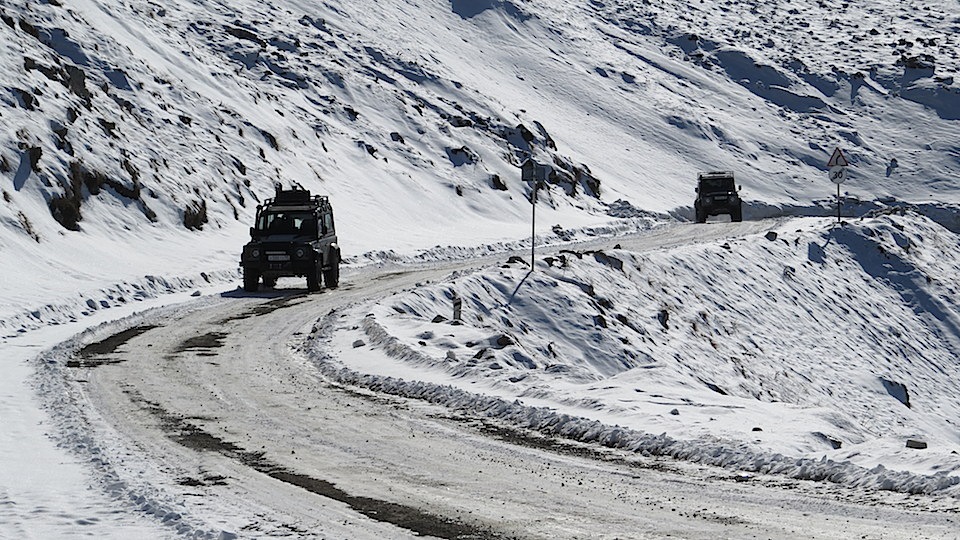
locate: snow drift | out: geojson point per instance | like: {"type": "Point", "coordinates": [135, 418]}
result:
{"type": "Point", "coordinates": [817, 350]}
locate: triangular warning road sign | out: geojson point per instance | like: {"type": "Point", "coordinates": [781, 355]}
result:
{"type": "Point", "coordinates": [838, 159]}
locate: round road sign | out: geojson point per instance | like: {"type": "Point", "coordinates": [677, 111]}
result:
{"type": "Point", "coordinates": [838, 174]}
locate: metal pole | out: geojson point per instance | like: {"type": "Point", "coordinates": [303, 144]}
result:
{"type": "Point", "coordinates": [533, 225]}
{"type": "Point", "coordinates": [838, 203]}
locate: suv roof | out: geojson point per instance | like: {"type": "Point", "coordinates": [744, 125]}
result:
{"type": "Point", "coordinates": [715, 175]}
{"type": "Point", "coordinates": [295, 199]}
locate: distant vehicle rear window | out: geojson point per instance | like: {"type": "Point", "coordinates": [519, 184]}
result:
{"type": "Point", "coordinates": [717, 184]}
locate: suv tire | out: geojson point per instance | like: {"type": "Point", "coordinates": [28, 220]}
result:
{"type": "Point", "coordinates": [701, 216]}
{"type": "Point", "coordinates": [736, 214]}
{"type": "Point", "coordinates": [314, 278]}
{"type": "Point", "coordinates": [251, 280]}
{"type": "Point", "coordinates": [331, 278]}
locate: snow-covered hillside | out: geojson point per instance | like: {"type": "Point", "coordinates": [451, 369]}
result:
{"type": "Point", "coordinates": [812, 341]}
{"type": "Point", "coordinates": [132, 122]}
{"type": "Point", "coordinates": [139, 136]}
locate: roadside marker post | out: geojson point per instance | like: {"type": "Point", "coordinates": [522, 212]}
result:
{"type": "Point", "coordinates": [531, 171]}
{"type": "Point", "coordinates": [457, 306]}
{"type": "Point", "coordinates": [838, 173]}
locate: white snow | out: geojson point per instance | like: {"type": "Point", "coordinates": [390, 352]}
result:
{"type": "Point", "coordinates": [817, 342]}
{"type": "Point", "coordinates": [408, 114]}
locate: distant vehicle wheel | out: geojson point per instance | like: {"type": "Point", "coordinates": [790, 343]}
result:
{"type": "Point", "coordinates": [331, 278]}
{"type": "Point", "coordinates": [701, 216]}
{"type": "Point", "coordinates": [251, 279]}
{"type": "Point", "coordinates": [736, 214]}
{"type": "Point", "coordinates": [269, 282]}
{"type": "Point", "coordinates": [313, 279]}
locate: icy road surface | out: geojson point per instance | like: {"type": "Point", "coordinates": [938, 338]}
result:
{"type": "Point", "coordinates": [207, 418]}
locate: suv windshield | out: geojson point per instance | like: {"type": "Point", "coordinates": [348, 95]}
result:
{"type": "Point", "coordinates": [304, 223]}
{"type": "Point", "coordinates": [714, 185]}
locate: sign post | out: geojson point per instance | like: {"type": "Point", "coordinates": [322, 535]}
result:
{"type": "Point", "coordinates": [838, 173]}
{"type": "Point", "coordinates": [457, 306]}
{"type": "Point", "coordinates": [531, 171]}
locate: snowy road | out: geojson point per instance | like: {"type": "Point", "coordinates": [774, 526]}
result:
{"type": "Point", "coordinates": [211, 412]}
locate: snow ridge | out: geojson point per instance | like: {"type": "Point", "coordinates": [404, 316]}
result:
{"type": "Point", "coordinates": [117, 469]}
{"type": "Point", "coordinates": [704, 342]}
{"type": "Point", "coordinates": [86, 303]}
{"type": "Point", "coordinates": [548, 422]}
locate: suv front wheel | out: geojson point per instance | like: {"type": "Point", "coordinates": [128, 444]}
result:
{"type": "Point", "coordinates": [314, 277]}
{"type": "Point", "coordinates": [331, 277]}
{"type": "Point", "coordinates": [736, 213]}
{"type": "Point", "coordinates": [251, 279]}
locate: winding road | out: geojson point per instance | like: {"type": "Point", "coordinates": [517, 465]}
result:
{"type": "Point", "coordinates": [211, 409]}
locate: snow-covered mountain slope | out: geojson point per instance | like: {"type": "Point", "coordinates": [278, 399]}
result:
{"type": "Point", "coordinates": [135, 117]}
{"type": "Point", "coordinates": [138, 137]}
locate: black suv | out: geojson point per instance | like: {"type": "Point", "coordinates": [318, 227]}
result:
{"type": "Point", "coordinates": [293, 235]}
{"type": "Point", "coordinates": [717, 194]}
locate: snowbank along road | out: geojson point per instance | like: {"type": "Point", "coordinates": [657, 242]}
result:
{"type": "Point", "coordinates": [210, 418]}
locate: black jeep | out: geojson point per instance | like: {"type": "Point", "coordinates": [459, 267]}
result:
{"type": "Point", "coordinates": [293, 235]}
{"type": "Point", "coordinates": [717, 194]}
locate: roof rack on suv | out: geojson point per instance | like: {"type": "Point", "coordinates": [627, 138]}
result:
{"type": "Point", "coordinates": [715, 174]}
{"type": "Point", "coordinates": [294, 197]}
{"type": "Point", "coordinates": [299, 196]}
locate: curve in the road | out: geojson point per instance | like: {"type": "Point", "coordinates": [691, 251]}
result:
{"type": "Point", "coordinates": [211, 411]}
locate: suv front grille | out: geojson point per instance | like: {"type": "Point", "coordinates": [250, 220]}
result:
{"type": "Point", "coordinates": [281, 247]}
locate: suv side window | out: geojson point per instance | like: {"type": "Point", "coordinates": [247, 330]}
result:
{"type": "Point", "coordinates": [327, 223]}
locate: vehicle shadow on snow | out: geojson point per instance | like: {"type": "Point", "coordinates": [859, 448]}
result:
{"type": "Point", "coordinates": [266, 293]}
{"type": "Point", "coordinates": [271, 300]}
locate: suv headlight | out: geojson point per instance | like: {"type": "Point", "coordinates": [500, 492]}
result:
{"type": "Point", "coordinates": [255, 253]}
{"type": "Point", "coordinates": [300, 252]}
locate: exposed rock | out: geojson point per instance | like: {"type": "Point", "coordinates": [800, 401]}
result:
{"type": "Point", "coordinates": [462, 156]}
{"type": "Point", "coordinates": [243, 33]}
{"type": "Point", "coordinates": [77, 83]}
{"type": "Point", "coordinates": [66, 211]}
{"type": "Point", "coordinates": [108, 127]}
{"type": "Point", "coordinates": [370, 149]}
{"type": "Point", "coordinates": [25, 99]}
{"type": "Point", "coordinates": [916, 444]}
{"type": "Point", "coordinates": [832, 441]}
{"type": "Point", "coordinates": [663, 317]}
{"type": "Point", "coordinates": [460, 122]}
{"type": "Point", "coordinates": [34, 153]}
{"type": "Point", "coordinates": [195, 215]}
{"type": "Point", "coordinates": [921, 61]}
{"type": "Point", "coordinates": [527, 135]}
{"type": "Point", "coordinates": [271, 140]}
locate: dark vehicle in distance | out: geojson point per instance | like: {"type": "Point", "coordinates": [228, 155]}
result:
{"type": "Point", "coordinates": [717, 194]}
{"type": "Point", "coordinates": [293, 236]}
